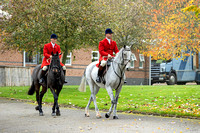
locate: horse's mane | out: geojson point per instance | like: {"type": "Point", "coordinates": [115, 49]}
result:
{"type": "Point", "coordinates": [119, 53]}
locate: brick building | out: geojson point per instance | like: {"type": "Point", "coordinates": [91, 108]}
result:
{"type": "Point", "coordinates": [77, 61]}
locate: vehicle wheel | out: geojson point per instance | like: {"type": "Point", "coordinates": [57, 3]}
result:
{"type": "Point", "coordinates": [172, 79]}
{"type": "Point", "coordinates": [181, 83]}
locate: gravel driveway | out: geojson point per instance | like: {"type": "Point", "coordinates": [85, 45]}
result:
{"type": "Point", "coordinates": [21, 117]}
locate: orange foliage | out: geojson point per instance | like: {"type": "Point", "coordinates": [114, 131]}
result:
{"type": "Point", "coordinates": [173, 30]}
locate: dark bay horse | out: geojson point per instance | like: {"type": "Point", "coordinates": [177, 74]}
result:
{"type": "Point", "coordinates": [55, 80]}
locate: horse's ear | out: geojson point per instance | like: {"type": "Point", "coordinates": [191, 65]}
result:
{"type": "Point", "coordinates": [56, 53]}
{"type": "Point", "coordinates": [124, 46]}
{"type": "Point", "coordinates": [52, 54]}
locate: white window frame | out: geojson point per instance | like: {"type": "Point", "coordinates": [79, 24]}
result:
{"type": "Point", "coordinates": [133, 58]}
{"type": "Point", "coordinates": [69, 56]}
{"type": "Point", "coordinates": [95, 58]}
{"type": "Point", "coordinates": [141, 56]}
{"type": "Point", "coordinates": [35, 56]}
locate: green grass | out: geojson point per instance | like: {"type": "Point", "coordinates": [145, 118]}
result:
{"type": "Point", "coordinates": [162, 100]}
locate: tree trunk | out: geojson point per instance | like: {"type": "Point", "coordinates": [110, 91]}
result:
{"type": "Point", "coordinates": [65, 53]}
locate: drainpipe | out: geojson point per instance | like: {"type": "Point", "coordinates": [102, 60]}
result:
{"type": "Point", "coordinates": [24, 59]}
{"type": "Point", "coordinates": [150, 70]}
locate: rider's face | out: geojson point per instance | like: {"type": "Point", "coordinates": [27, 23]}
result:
{"type": "Point", "coordinates": [53, 40]}
{"type": "Point", "coordinates": [109, 36]}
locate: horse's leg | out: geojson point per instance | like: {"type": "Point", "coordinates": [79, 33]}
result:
{"type": "Point", "coordinates": [37, 90]}
{"type": "Point", "coordinates": [55, 101]}
{"type": "Point", "coordinates": [115, 105]}
{"type": "Point", "coordinates": [87, 107]}
{"type": "Point", "coordinates": [107, 115]}
{"type": "Point", "coordinates": [57, 106]}
{"type": "Point", "coordinates": [113, 101]}
{"type": "Point", "coordinates": [44, 90]}
{"type": "Point", "coordinates": [94, 90]}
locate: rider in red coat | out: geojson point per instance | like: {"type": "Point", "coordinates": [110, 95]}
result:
{"type": "Point", "coordinates": [48, 49]}
{"type": "Point", "coordinates": [106, 48]}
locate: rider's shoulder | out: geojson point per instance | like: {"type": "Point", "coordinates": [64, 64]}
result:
{"type": "Point", "coordinates": [57, 45]}
{"type": "Point", "coordinates": [114, 42]}
{"type": "Point", "coordinates": [47, 44]}
{"type": "Point", "coordinates": [103, 41]}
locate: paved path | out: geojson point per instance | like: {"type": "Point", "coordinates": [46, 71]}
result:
{"type": "Point", "coordinates": [20, 117]}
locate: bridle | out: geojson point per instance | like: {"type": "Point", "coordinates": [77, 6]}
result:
{"type": "Point", "coordinates": [121, 75]}
{"type": "Point", "coordinates": [128, 60]}
{"type": "Point", "coordinates": [54, 67]}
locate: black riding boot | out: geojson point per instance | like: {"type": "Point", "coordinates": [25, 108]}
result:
{"type": "Point", "coordinates": [64, 75]}
{"type": "Point", "coordinates": [100, 73]}
{"type": "Point", "coordinates": [42, 79]}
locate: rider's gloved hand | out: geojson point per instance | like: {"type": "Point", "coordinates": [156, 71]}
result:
{"type": "Point", "coordinates": [109, 56]}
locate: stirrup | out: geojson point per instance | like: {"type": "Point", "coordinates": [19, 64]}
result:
{"type": "Point", "coordinates": [65, 81]}
{"type": "Point", "coordinates": [98, 79]}
{"type": "Point", "coordinates": [41, 81]}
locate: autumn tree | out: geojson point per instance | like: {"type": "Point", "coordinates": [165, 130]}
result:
{"type": "Point", "coordinates": [172, 30]}
{"type": "Point", "coordinates": [127, 19]}
{"type": "Point", "coordinates": [78, 23]}
{"type": "Point", "coordinates": [194, 6]}
{"type": "Point", "coordinates": [32, 22]}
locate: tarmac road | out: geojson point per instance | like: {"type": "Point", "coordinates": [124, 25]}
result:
{"type": "Point", "coordinates": [21, 117]}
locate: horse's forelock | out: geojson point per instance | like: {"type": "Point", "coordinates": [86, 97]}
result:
{"type": "Point", "coordinates": [55, 60]}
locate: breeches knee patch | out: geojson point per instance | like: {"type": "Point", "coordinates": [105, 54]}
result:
{"type": "Point", "coordinates": [64, 67]}
{"type": "Point", "coordinates": [44, 68]}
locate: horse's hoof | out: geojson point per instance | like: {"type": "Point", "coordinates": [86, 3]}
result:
{"type": "Point", "coordinates": [87, 115]}
{"type": "Point", "coordinates": [98, 116]}
{"type": "Point", "coordinates": [57, 113]}
{"type": "Point", "coordinates": [106, 115]}
{"type": "Point", "coordinates": [37, 108]}
{"type": "Point", "coordinates": [41, 114]}
{"type": "Point", "coordinates": [115, 117]}
{"type": "Point", "coordinates": [53, 114]}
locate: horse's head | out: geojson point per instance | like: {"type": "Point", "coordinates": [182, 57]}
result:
{"type": "Point", "coordinates": [55, 63]}
{"type": "Point", "coordinates": [126, 55]}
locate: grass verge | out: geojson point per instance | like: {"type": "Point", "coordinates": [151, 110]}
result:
{"type": "Point", "coordinates": [178, 100]}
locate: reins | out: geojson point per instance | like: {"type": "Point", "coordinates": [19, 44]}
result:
{"type": "Point", "coordinates": [50, 68]}
{"type": "Point", "coordinates": [121, 70]}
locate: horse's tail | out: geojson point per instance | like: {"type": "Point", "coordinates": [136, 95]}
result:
{"type": "Point", "coordinates": [82, 86]}
{"type": "Point", "coordinates": [31, 89]}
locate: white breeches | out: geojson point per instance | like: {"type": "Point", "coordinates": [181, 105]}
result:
{"type": "Point", "coordinates": [45, 68]}
{"type": "Point", "coordinates": [64, 67]}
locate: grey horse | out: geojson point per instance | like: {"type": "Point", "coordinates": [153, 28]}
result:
{"type": "Point", "coordinates": [114, 80]}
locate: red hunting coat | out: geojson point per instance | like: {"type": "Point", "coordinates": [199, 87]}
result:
{"type": "Point", "coordinates": [105, 48]}
{"type": "Point", "coordinates": [48, 49]}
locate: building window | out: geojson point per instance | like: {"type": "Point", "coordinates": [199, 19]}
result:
{"type": "Point", "coordinates": [141, 61]}
{"type": "Point", "coordinates": [30, 58]}
{"type": "Point", "coordinates": [95, 56]}
{"type": "Point", "coordinates": [133, 58]}
{"type": "Point", "coordinates": [69, 59]}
